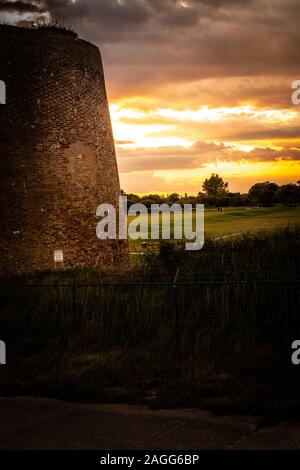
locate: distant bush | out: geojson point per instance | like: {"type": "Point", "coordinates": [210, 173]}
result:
{"type": "Point", "coordinates": [56, 27]}
{"type": "Point", "coordinates": [288, 194]}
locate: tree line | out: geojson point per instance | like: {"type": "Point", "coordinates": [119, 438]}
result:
{"type": "Point", "coordinates": [215, 193]}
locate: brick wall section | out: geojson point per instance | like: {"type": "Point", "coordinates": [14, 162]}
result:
{"type": "Point", "coordinates": [57, 155]}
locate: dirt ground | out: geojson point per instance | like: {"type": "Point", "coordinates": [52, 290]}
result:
{"type": "Point", "coordinates": [43, 424]}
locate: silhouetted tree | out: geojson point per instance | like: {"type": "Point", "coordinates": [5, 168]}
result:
{"type": "Point", "coordinates": [174, 197]}
{"type": "Point", "coordinates": [263, 193]}
{"type": "Point", "coordinates": [288, 194]}
{"type": "Point", "coordinates": [215, 186]}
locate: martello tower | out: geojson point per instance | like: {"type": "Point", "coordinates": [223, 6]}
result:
{"type": "Point", "coordinates": [57, 155]}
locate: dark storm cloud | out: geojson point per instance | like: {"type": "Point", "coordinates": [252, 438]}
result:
{"type": "Point", "coordinates": [106, 13]}
{"type": "Point", "coordinates": [167, 41]}
{"type": "Point", "coordinates": [18, 7]}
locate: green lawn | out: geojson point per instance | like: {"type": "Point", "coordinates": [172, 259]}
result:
{"type": "Point", "coordinates": [243, 219]}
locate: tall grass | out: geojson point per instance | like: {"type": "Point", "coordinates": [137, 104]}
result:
{"type": "Point", "coordinates": [230, 317]}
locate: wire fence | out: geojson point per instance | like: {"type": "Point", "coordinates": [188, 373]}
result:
{"type": "Point", "coordinates": [163, 316]}
{"type": "Point", "coordinates": [153, 284]}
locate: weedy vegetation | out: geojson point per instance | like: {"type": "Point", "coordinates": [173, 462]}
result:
{"type": "Point", "coordinates": [210, 329]}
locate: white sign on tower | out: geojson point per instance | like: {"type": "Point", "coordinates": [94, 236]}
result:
{"type": "Point", "coordinates": [2, 92]}
{"type": "Point", "coordinates": [58, 256]}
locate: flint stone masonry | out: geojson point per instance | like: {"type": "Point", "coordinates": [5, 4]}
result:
{"type": "Point", "coordinates": [57, 155]}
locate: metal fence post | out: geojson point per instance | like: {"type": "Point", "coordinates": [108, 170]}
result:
{"type": "Point", "coordinates": [74, 306]}
{"type": "Point", "coordinates": [176, 313]}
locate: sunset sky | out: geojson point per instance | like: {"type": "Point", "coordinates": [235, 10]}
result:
{"type": "Point", "coordinates": [195, 86]}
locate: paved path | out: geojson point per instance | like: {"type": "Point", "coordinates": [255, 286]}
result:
{"type": "Point", "coordinates": [30, 423]}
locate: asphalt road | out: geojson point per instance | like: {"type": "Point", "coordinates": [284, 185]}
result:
{"type": "Point", "coordinates": [43, 424]}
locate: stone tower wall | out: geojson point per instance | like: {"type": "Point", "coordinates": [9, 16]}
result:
{"type": "Point", "coordinates": [57, 155]}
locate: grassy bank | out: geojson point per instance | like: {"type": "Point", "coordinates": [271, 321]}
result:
{"type": "Point", "coordinates": [219, 338]}
{"type": "Point", "coordinates": [240, 220]}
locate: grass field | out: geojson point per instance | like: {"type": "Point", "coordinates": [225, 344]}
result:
{"type": "Point", "coordinates": [240, 220]}
{"type": "Point", "coordinates": [220, 339]}
{"type": "Point", "coordinates": [247, 219]}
